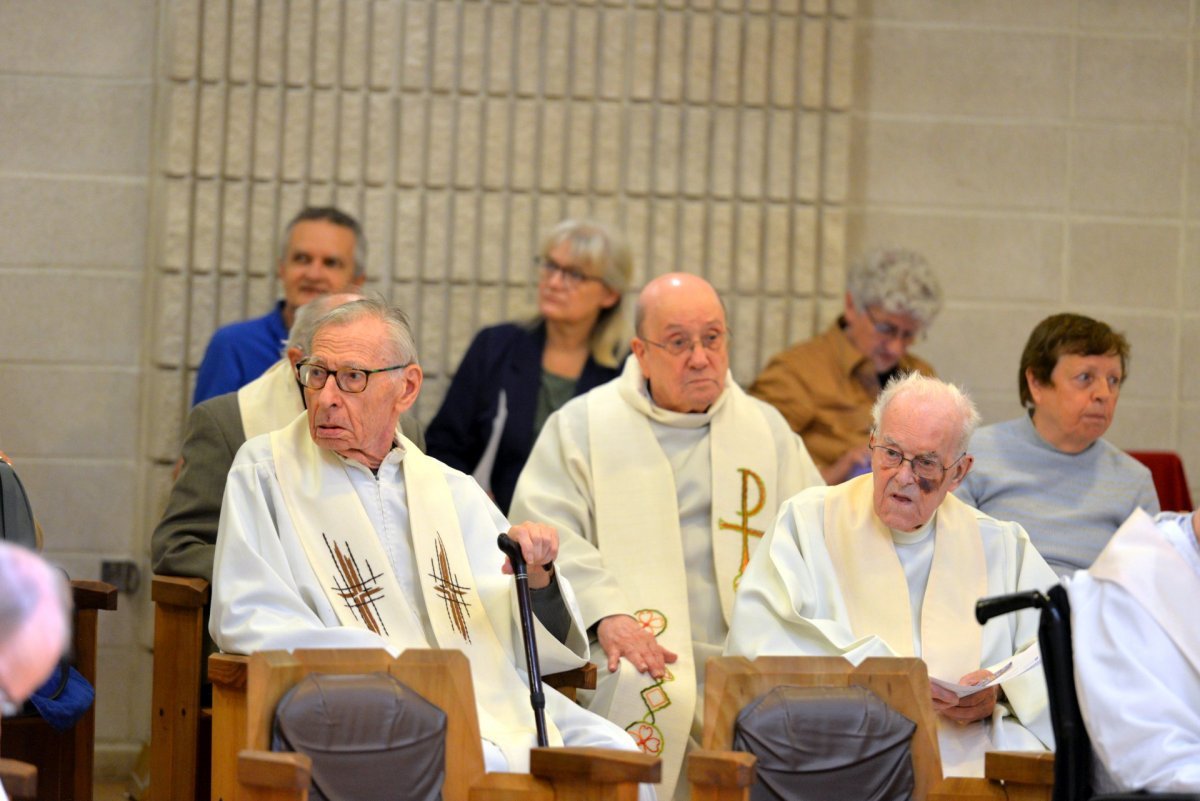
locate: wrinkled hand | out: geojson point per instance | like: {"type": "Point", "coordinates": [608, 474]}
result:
{"type": "Point", "coordinates": [975, 706]}
{"type": "Point", "coordinates": [539, 546]}
{"type": "Point", "coordinates": [622, 636]}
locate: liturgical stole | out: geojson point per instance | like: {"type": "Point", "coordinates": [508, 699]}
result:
{"type": "Point", "coordinates": [1141, 561]}
{"type": "Point", "coordinates": [875, 591]}
{"type": "Point", "coordinates": [352, 566]}
{"type": "Point", "coordinates": [270, 401]}
{"type": "Point", "coordinates": [637, 531]}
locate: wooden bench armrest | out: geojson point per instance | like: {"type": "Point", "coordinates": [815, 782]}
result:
{"type": "Point", "coordinates": [581, 678]}
{"type": "Point", "coordinates": [594, 765]}
{"type": "Point", "coordinates": [20, 778]}
{"type": "Point", "coordinates": [274, 770]}
{"type": "Point", "coordinates": [967, 788]}
{"type": "Point", "coordinates": [93, 595]}
{"type": "Point", "coordinates": [182, 591]}
{"type": "Point", "coordinates": [721, 768]}
{"type": "Point", "coordinates": [228, 670]}
{"type": "Point", "coordinates": [1024, 767]}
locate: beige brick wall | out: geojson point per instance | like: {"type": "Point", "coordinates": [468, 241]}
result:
{"type": "Point", "coordinates": [1043, 156]}
{"type": "Point", "coordinates": [76, 120]}
{"type": "Point", "coordinates": [460, 131]}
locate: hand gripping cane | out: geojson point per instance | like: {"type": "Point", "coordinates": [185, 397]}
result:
{"type": "Point", "coordinates": [537, 698]}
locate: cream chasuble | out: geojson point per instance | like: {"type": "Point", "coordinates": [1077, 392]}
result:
{"type": "Point", "coordinates": [637, 530]}
{"type": "Point", "coordinates": [828, 580]}
{"type": "Point", "coordinates": [272, 397]}
{"type": "Point", "coordinates": [353, 569]}
{"type": "Point", "coordinates": [876, 592]}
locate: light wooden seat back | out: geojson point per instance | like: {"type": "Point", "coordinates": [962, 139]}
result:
{"type": "Point", "coordinates": [246, 691]}
{"type": "Point", "coordinates": [903, 683]}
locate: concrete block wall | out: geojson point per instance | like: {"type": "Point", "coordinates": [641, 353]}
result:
{"type": "Point", "coordinates": [1044, 155]}
{"type": "Point", "coordinates": [459, 131]}
{"type": "Point", "coordinates": [76, 119]}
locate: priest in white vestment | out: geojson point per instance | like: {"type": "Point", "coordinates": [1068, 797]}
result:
{"type": "Point", "coordinates": [1137, 654]}
{"type": "Point", "coordinates": [336, 531]}
{"type": "Point", "coordinates": [890, 564]}
{"type": "Point", "coordinates": [660, 484]}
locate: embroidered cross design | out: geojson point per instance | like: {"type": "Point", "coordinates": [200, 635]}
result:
{"type": "Point", "coordinates": [746, 513]}
{"type": "Point", "coordinates": [446, 587]}
{"type": "Point", "coordinates": [360, 592]}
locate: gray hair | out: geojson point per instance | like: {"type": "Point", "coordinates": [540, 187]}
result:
{"type": "Point", "coordinates": [308, 314]}
{"type": "Point", "coordinates": [599, 248]}
{"type": "Point", "coordinates": [928, 388]}
{"type": "Point", "coordinates": [329, 214]}
{"type": "Point", "coordinates": [898, 280]}
{"type": "Point", "coordinates": [28, 581]}
{"type": "Point", "coordinates": [404, 348]}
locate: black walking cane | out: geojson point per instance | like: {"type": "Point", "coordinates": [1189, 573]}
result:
{"type": "Point", "coordinates": [537, 698]}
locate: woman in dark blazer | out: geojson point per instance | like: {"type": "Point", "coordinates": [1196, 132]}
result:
{"type": "Point", "coordinates": [515, 375]}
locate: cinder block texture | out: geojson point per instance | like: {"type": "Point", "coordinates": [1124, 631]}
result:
{"type": "Point", "coordinates": [1044, 157]}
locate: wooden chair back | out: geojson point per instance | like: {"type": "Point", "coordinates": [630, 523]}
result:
{"type": "Point", "coordinates": [903, 683]}
{"type": "Point", "coordinates": [247, 690]}
{"type": "Point", "coordinates": [733, 682]}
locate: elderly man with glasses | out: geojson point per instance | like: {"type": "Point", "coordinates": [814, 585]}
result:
{"type": "Point", "coordinates": [660, 483]}
{"type": "Point", "coordinates": [891, 564]}
{"type": "Point", "coordinates": [337, 532]}
{"type": "Point", "coordinates": [825, 386]}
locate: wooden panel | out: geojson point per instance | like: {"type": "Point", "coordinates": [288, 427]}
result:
{"type": "Point", "coordinates": [178, 633]}
{"type": "Point", "coordinates": [443, 678]}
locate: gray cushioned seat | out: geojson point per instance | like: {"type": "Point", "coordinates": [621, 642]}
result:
{"type": "Point", "coordinates": [368, 736]}
{"type": "Point", "coordinates": [817, 743]}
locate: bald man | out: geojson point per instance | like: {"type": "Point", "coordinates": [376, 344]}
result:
{"type": "Point", "coordinates": [660, 484]}
{"type": "Point", "coordinates": [34, 623]}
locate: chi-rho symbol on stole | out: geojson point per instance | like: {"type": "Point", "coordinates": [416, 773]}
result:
{"type": "Point", "coordinates": [359, 589]}
{"type": "Point", "coordinates": [747, 511]}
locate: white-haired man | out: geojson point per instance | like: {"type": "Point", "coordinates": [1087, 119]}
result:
{"type": "Point", "coordinates": [891, 564]}
{"type": "Point", "coordinates": [337, 532]}
{"type": "Point", "coordinates": [825, 387]}
{"type": "Point", "coordinates": [661, 482]}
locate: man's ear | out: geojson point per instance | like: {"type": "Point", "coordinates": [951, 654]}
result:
{"type": "Point", "coordinates": [638, 348]}
{"type": "Point", "coordinates": [411, 378]}
{"type": "Point", "coordinates": [294, 355]}
{"type": "Point", "coordinates": [960, 471]}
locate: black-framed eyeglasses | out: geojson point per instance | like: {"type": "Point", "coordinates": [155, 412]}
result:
{"type": "Point", "coordinates": [679, 344]}
{"type": "Point", "coordinates": [571, 277]}
{"type": "Point", "coordinates": [349, 379]}
{"type": "Point", "coordinates": [890, 331]}
{"type": "Point", "coordinates": [924, 467]}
